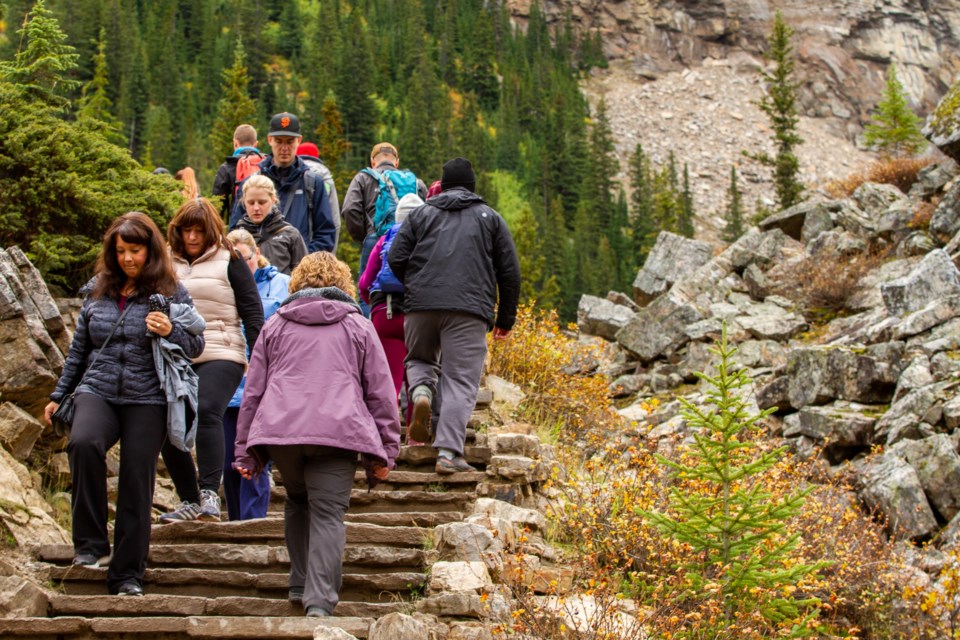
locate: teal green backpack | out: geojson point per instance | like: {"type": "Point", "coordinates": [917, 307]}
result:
{"type": "Point", "coordinates": [394, 184]}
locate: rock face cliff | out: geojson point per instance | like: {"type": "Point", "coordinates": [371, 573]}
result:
{"type": "Point", "coordinates": [843, 46]}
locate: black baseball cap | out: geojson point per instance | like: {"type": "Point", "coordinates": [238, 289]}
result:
{"type": "Point", "coordinates": [284, 124]}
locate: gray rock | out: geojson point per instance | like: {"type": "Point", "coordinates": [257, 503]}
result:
{"type": "Point", "coordinates": [21, 598]}
{"type": "Point", "coordinates": [894, 221]}
{"type": "Point", "coordinates": [932, 179]}
{"type": "Point", "coordinates": [943, 366]}
{"type": "Point", "coordinates": [775, 393]}
{"type": "Point", "coordinates": [935, 313]}
{"type": "Point", "coordinates": [791, 220]}
{"type": "Point", "coordinates": [945, 221]}
{"type": "Point", "coordinates": [906, 417]}
{"type": "Point", "coordinates": [914, 376]}
{"type": "Point", "coordinates": [951, 413]}
{"type": "Point", "coordinates": [917, 243]}
{"type": "Point", "coordinates": [753, 354]}
{"type": "Point", "coordinates": [18, 430]}
{"type": "Point", "coordinates": [468, 631]}
{"type": "Point", "coordinates": [600, 317]}
{"type": "Point", "coordinates": [459, 576]}
{"type": "Point", "coordinates": [891, 486]}
{"type": "Point", "coordinates": [657, 328]}
{"type": "Point", "coordinates": [467, 541]}
{"type": "Point", "coordinates": [758, 284]}
{"type": "Point", "coordinates": [671, 258]}
{"type": "Point", "coordinates": [836, 242]}
{"type": "Point", "coordinates": [818, 220]}
{"type": "Point", "coordinates": [875, 199]}
{"type": "Point", "coordinates": [934, 278]}
{"type": "Point", "coordinates": [821, 374]}
{"type": "Point", "coordinates": [844, 428]}
{"type": "Point", "coordinates": [768, 321]}
{"type": "Point", "coordinates": [761, 249]}
{"type": "Point", "coordinates": [395, 626]}
{"type": "Point", "coordinates": [868, 293]}
{"type": "Point", "coordinates": [937, 464]}
{"type": "Point", "coordinates": [620, 298]}
{"type": "Point", "coordinates": [626, 385]}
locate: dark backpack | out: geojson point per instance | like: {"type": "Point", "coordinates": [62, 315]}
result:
{"type": "Point", "coordinates": [394, 184]}
{"type": "Point", "coordinates": [386, 281]}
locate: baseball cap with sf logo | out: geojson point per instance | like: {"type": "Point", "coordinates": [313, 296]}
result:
{"type": "Point", "coordinates": [284, 124]}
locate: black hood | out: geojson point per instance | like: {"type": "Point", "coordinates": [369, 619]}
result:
{"type": "Point", "coordinates": [455, 199]}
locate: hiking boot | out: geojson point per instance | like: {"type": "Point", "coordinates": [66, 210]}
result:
{"type": "Point", "coordinates": [422, 399]}
{"type": "Point", "coordinates": [86, 560]}
{"type": "Point", "coordinates": [295, 595]}
{"type": "Point", "coordinates": [209, 506]}
{"type": "Point", "coordinates": [447, 466]}
{"type": "Point", "coordinates": [314, 611]}
{"type": "Point", "coordinates": [186, 512]}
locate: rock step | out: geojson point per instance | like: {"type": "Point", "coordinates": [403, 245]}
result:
{"type": "Point", "coordinates": [177, 605]}
{"type": "Point", "coordinates": [361, 587]}
{"type": "Point", "coordinates": [255, 558]}
{"type": "Point", "coordinates": [465, 481]}
{"type": "Point", "coordinates": [363, 501]}
{"type": "Point", "coordinates": [258, 531]}
{"type": "Point", "coordinates": [427, 455]}
{"type": "Point", "coordinates": [170, 628]}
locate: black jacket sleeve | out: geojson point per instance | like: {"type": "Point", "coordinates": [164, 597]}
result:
{"type": "Point", "coordinates": [76, 361]}
{"type": "Point", "coordinates": [507, 267]}
{"type": "Point", "coordinates": [245, 291]}
{"type": "Point", "coordinates": [353, 209]}
{"type": "Point", "coordinates": [223, 187]}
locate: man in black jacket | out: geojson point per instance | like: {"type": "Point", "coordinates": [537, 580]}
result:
{"type": "Point", "coordinates": [453, 255]}
{"type": "Point", "coordinates": [225, 182]}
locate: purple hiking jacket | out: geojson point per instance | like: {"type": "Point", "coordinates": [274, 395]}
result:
{"type": "Point", "coordinates": [318, 376]}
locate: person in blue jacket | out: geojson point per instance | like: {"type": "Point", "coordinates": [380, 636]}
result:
{"type": "Point", "coordinates": [302, 192]}
{"type": "Point", "coordinates": [248, 499]}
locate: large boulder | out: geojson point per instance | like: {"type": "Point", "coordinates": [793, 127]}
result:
{"type": "Point", "coordinates": [818, 375]}
{"type": "Point", "coordinates": [943, 125]}
{"type": "Point", "coordinates": [945, 221]}
{"type": "Point", "coordinates": [23, 511]}
{"type": "Point", "coordinates": [600, 317]}
{"type": "Point", "coordinates": [891, 486]}
{"type": "Point", "coordinates": [671, 258]}
{"type": "Point", "coordinates": [934, 278]}
{"type": "Point", "coordinates": [18, 430]}
{"type": "Point", "coordinates": [845, 428]}
{"type": "Point", "coordinates": [658, 328]}
{"type": "Point", "coordinates": [937, 464]}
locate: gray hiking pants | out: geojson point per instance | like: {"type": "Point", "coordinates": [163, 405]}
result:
{"type": "Point", "coordinates": [318, 481]}
{"type": "Point", "coordinates": [462, 340]}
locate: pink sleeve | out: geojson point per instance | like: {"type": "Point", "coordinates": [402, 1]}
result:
{"type": "Point", "coordinates": [370, 273]}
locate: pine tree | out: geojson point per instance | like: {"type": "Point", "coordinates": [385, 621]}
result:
{"type": "Point", "coordinates": [42, 69]}
{"type": "Point", "coordinates": [94, 102]}
{"type": "Point", "coordinates": [641, 201]}
{"type": "Point", "coordinates": [354, 89]}
{"type": "Point", "coordinates": [780, 105]}
{"type": "Point", "coordinates": [720, 507]}
{"type": "Point", "coordinates": [734, 213]}
{"type": "Point", "coordinates": [235, 107]}
{"type": "Point", "coordinates": [685, 220]}
{"type": "Point", "coordinates": [895, 129]}
{"type": "Point", "coordinates": [600, 170]}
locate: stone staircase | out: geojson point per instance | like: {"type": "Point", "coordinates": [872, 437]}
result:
{"type": "Point", "coordinates": [229, 579]}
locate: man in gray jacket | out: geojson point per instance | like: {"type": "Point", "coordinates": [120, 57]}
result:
{"type": "Point", "coordinates": [454, 255]}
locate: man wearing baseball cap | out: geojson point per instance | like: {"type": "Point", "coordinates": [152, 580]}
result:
{"type": "Point", "coordinates": [360, 202]}
{"type": "Point", "coordinates": [302, 193]}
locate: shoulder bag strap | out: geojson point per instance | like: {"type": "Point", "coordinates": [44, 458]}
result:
{"type": "Point", "coordinates": [103, 346]}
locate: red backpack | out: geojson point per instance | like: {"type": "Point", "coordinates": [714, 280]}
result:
{"type": "Point", "coordinates": [247, 166]}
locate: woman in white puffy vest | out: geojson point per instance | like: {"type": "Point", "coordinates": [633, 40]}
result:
{"type": "Point", "coordinates": [225, 294]}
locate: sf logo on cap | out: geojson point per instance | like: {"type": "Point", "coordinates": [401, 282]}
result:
{"type": "Point", "coordinates": [285, 122]}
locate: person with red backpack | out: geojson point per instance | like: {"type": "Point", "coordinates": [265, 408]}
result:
{"type": "Point", "coordinates": [237, 167]}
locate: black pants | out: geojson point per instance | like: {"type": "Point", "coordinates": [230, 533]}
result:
{"type": "Point", "coordinates": [141, 430]}
{"type": "Point", "coordinates": [218, 380]}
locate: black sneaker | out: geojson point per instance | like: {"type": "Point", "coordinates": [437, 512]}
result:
{"type": "Point", "coordinates": [447, 466]}
{"type": "Point", "coordinates": [317, 612]}
{"type": "Point", "coordinates": [295, 595]}
{"type": "Point", "coordinates": [130, 588]}
{"type": "Point", "coordinates": [86, 560]}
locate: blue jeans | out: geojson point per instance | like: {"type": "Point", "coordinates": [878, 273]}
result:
{"type": "Point", "coordinates": [246, 499]}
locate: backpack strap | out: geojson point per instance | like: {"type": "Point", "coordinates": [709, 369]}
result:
{"type": "Point", "coordinates": [370, 171]}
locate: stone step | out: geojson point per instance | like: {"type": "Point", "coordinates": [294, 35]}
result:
{"type": "Point", "coordinates": [214, 583]}
{"type": "Point", "coordinates": [363, 501]}
{"type": "Point", "coordinates": [177, 605]}
{"type": "Point", "coordinates": [426, 455]}
{"type": "Point", "coordinates": [407, 518]}
{"type": "Point", "coordinates": [258, 531]}
{"type": "Point", "coordinates": [170, 628]}
{"type": "Point", "coordinates": [420, 480]}
{"type": "Point", "coordinates": [255, 558]}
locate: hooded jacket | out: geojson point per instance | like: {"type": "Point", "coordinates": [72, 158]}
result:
{"type": "Point", "coordinates": [340, 396]}
{"type": "Point", "coordinates": [179, 381]}
{"type": "Point", "coordinates": [455, 253]}
{"type": "Point", "coordinates": [278, 241]}
{"type": "Point", "coordinates": [314, 221]}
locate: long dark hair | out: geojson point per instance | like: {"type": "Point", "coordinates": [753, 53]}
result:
{"type": "Point", "coordinates": [157, 275]}
{"type": "Point", "coordinates": [197, 212]}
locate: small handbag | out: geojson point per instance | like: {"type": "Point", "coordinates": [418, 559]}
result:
{"type": "Point", "coordinates": [62, 418]}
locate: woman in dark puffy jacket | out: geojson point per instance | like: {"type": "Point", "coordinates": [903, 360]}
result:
{"type": "Point", "coordinates": [119, 396]}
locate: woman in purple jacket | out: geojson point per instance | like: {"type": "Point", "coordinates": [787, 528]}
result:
{"type": "Point", "coordinates": [318, 393]}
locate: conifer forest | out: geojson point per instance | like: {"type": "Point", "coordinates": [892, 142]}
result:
{"type": "Point", "coordinates": [96, 94]}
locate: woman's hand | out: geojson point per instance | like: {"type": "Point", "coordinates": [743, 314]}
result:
{"type": "Point", "coordinates": [381, 471]}
{"type": "Point", "coordinates": [48, 411]}
{"type": "Point", "coordinates": [159, 323]}
{"type": "Point", "coordinates": [245, 473]}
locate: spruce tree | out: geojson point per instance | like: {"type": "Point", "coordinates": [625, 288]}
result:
{"type": "Point", "coordinates": [42, 67]}
{"type": "Point", "coordinates": [600, 170]}
{"type": "Point", "coordinates": [780, 105]}
{"type": "Point", "coordinates": [641, 202]}
{"type": "Point", "coordinates": [734, 212]}
{"type": "Point", "coordinates": [895, 130]}
{"type": "Point", "coordinates": [236, 107]}
{"type": "Point", "coordinates": [685, 220]}
{"type": "Point", "coordinates": [735, 527]}
{"type": "Point", "coordinates": [94, 102]}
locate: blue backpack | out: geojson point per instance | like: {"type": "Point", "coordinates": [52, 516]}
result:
{"type": "Point", "coordinates": [394, 184]}
{"type": "Point", "coordinates": [386, 281]}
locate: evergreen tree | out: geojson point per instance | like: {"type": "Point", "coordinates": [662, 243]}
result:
{"type": "Point", "coordinates": [332, 146]}
{"type": "Point", "coordinates": [599, 172]}
{"type": "Point", "coordinates": [895, 129]}
{"type": "Point", "coordinates": [235, 107]}
{"type": "Point", "coordinates": [94, 102]}
{"type": "Point", "coordinates": [734, 213]}
{"type": "Point", "coordinates": [42, 68]}
{"type": "Point", "coordinates": [641, 201]}
{"type": "Point", "coordinates": [665, 210]}
{"type": "Point", "coordinates": [780, 105]}
{"type": "Point", "coordinates": [720, 507]}
{"type": "Point", "coordinates": [354, 89]}
{"type": "Point", "coordinates": [290, 41]}
{"type": "Point", "coordinates": [685, 220]}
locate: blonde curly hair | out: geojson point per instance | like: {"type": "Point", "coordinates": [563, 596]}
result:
{"type": "Point", "coordinates": [322, 269]}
